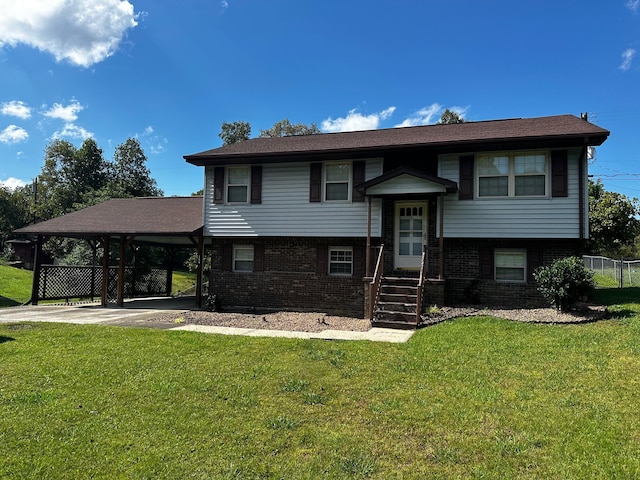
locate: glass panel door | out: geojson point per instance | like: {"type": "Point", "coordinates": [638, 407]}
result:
{"type": "Point", "coordinates": [410, 234]}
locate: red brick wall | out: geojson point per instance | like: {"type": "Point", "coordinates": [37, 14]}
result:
{"type": "Point", "coordinates": [290, 279]}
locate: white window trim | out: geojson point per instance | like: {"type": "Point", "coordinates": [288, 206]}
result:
{"type": "Point", "coordinates": [236, 248]}
{"type": "Point", "coordinates": [511, 251]}
{"type": "Point", "coordinates": [511, 182]}
{"type": "Point", "coordinates": [329, 262]}
{"type": "Point", "coordinates": [325, 182]}
{"type": "Point", "coordinates": [227, 184]}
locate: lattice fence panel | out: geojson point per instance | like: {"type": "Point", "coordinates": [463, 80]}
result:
{"type": "Point", "coordinates": [58, 282]}
{"type": "Point", "coordinates": [64, 282]}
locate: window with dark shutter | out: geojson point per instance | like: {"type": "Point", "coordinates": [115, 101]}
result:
{"type": "Point", "coordinates": [559, 173]}
{"type": "Point", "coordinates": [465, 187]}
{"type": "Point", "coordinates": [486, 263]}
{"type": "Point", "coordinates": [256, 184]}
{"type": "Point", "coordinates": [358, 178]}
{"type": "Point", "coordinates": [315, 182]}
{"type": "Point", "coordinates": [227, 257]}
{"type": "Point", "coordinates": [534, 260]}
{"type": "Point", "coordinates": [218, 185]}
{"type": "Point", "coordinates": [258, 258]}
{"type": "Point", "coordinates": [322, 260]}
{"type": "Point", "coordinates": [358, 261]}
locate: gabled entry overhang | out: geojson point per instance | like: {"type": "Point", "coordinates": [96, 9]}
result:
{"type": "Point", "coordinates": [406, 181]}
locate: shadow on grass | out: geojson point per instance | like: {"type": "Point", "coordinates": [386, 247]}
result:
{"type": "Point", "coordinates": [8, 302]}
{"type": "Point", "coordinates": [614, 297]}
{"type": "Point", "coordinates": [6, 339]}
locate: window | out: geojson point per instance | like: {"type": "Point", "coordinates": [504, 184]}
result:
{"type": "Point", "coordinates": [341, 261]}
{"type": "Point", "coordinates": [337, 178]}
{"type": "Point", "coordinates": [238, 184]}
{"type": "Point", "coordinates": [510, 265]}
{"type": "Point", "coordinates": [243, 258]}
{"type": "Point", "coordinates": [512, 175]}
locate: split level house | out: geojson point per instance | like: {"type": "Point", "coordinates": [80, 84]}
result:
{"type": "Point", "coordinates": [382, 223]}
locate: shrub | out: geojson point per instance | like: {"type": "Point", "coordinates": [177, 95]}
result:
{"type": "Point", "coordinates": [564, 282]}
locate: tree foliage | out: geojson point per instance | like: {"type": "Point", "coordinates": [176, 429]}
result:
{"type": "Point", "coordinates": [449, 116]}
{"type": "Point", "coordinates": [131, 177]}
{"type": "Point", "coordinates": [284, 128]}
{"type": "Point", "coordinates": [613, 221]}
{"type": "Point", "coordinates": [234, 132]}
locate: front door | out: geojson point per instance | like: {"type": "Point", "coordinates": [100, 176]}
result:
{"type": "Point", "coordinates": [410, 234]}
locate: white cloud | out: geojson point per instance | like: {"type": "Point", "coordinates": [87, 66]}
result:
{"type": "Point", "coordinates": [355, 121]}
{"type": "Point", "coordinates": [627, 58]}
{"type": "Point", "coordinates": [424, 116]}
{"type": "Point", "coordinates": [83, 32]}
{"type": "Point", "coordinates": [633, 5]}
{"type": "Point", "coordinates": [13, 134]}
{"type": "Point", "coordinates": [68, 114]}
{"type": "Point", "coordinates": [16, 108]}
{"type": "Point", "coordinates": [12, 183]}
{"type": "Point", "coordinates": [71, 130]}
{"type": "Point", "coordinates": [153, 143]}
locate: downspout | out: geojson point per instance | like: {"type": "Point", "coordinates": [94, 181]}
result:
{"type": "Point", "coordinates": [581, 189]}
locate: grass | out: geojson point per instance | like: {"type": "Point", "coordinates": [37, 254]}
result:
{"type": "Point", "coordinates": [15, 286]}
{"type": "Point", "coordinates": [470, 398]}
{"type": "Point", "coordinates": [182, 280]}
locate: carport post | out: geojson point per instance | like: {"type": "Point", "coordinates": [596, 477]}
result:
{"type": "Point", "coordinates": [121, 264]}
{"type": "Point", "coordinates": [105, 271]}
{"type": "Point", "coordinates": [37, 268]}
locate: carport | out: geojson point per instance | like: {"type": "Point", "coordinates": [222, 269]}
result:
{"type": "Point", "coordinates": [169, 222]}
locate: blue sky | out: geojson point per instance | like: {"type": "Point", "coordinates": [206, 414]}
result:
{"type": "Point", "coordinates": [170, 72]}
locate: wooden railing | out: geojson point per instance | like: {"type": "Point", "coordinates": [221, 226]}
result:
{"type": "Point", "coordinates": [423, 275]}
{"type": "Point", "coordinates": [374, 286]}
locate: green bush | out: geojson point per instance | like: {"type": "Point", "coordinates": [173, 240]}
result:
{"type": "Point", "coordinates": [565, 282]}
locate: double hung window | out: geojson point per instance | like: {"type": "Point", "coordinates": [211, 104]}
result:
{"type": "Point", "coordinates": [340, 261]}
{"type": "Point", "coordinates": [243, 258]}
{"type": "Point", "coordinates": [238, 184]}
{"type": "Point", "coordinates": [337, 179]}
{"type": "Point", "coordinates": [512, 175]}
{"type": "Point", "coordinates": [510, 265]}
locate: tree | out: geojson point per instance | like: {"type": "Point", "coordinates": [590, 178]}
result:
{"type": "Point", "coordinates": [613, 220]}
{"type": "Point", "coordinates": [284, 128]}
{"type": "Point", "coordinates": [234, 132]}
{"type": "Point", "coordinates": [450, 117]}
{"type": "Point", "coordinates": [14, 211]}
{"type": "Point", "coordinates": [131, 177]}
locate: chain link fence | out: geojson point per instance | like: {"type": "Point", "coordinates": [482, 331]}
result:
{"type": "Point", "coordinates": [625, 273]}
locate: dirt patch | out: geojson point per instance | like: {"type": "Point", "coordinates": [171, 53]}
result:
{"type": "Point", "coordinates": [318, 322]}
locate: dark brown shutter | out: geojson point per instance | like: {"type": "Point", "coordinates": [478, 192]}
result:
{"type": "Point", "coordinates": [256, 184]}
{"type": "Point", "coordinates": [358, 261]}
{"type": "Point", "coordinates": [358, 178]}
{"type": "Point", "coordinates": [258, 258]}
{"type": "Point", "coordinates": [534, 260]}
{"type": "Point", "coordinates": [315, 182]}
{"type": "Point", "coordinates": [486, 263]}
{"type": "Point", "coordinates": [322, 266]}
{"type": "Point", "coordinates": [465, 186]}
{"type": "Point", "coordinates": [218, 185]}
{"type": "Point", "coordinates": [227, 257]}
{"type": "Point", "coordinates": [559, 173]}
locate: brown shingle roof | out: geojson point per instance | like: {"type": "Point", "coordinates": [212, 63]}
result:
{"type": "Point", "coordinates": [150, 217]}
{"type": "Point", "coordinates": [541, 128]}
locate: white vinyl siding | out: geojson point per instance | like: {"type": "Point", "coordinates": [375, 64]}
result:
{"type": "Point", "coordinates": [286, 211]}
{"type": "Point", "coordinates": [512, 217]}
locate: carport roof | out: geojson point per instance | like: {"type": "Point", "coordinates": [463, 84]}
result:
{"type": "Point", "coordinates": [157, 220]}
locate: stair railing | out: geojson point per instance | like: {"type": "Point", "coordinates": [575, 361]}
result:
{"type": "Point", "coordinates": [374, 286]}
{"type": "Point", "coordinates": [423, 275]}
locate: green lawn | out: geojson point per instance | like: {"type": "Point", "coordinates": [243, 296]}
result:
{"type": "Point", "coordinates": [15, 286]}
{"type": "Point", "coordinates": [468, 398]}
